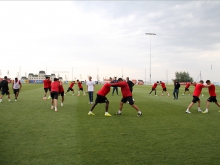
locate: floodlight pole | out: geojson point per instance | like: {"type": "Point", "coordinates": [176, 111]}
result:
{"type": "Point", "coordinates": [150, 34]}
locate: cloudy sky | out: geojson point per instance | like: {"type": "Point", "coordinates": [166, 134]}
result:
{"type": "Point", "coordinates": [107, 38]}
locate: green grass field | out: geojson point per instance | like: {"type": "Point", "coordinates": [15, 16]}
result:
{"type": "Point", "coordinates": [33, 134]}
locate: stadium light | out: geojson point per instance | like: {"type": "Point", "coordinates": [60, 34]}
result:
{"type": "Point", "coordinates": [150, 34]}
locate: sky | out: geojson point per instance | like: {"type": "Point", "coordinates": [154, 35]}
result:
{"type": "Point", "coordinates": [76, 39]}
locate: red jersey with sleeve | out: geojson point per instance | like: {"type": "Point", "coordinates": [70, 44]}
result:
{"type": "Point", "coordinates": [55, 86]}
{"type": "Point", "coordinates": [79, 84]}
{"type": "Point", "coordinates": [154, 86]}
{"type": "Point", "coordinates": [49, 83]}
{"type": "Point", "coordinates": [163, 85]}
{"type": "Point", "coordinates": [45, 83]}
{"type": "Point", "coordinates": [198, 90]}
{"type": "Point", "coordinates": [61, 89]}
{"type": "Point", "coordinates": [187, 85]}
{"type": "Point", "coordinates": [71, 85]}
{"type": "Point", "coordinates": [212, 90]}
{"type": "Point", "coordinates": [105, 89]}
{"type": "Point", "coordinates": [125, 90]}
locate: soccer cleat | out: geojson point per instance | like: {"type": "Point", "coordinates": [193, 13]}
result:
{"type": "Point", "coordinates": [182, 94]}
{"type": "Point", "coordinates": [9, 100]}
{"type": "Point", "coordinates": [56, 110]}
{"type": "Point", "coordinates": [91, 114]}
{"type": "Point", "coordinates": [64, 94]}
{"type": "Point", "coordinates": [48, 97]}
{"type": "Point", "coordinates": [139, 114]}
{"type": "Point", "coordinates": [107, 114]}
{"type": "Point", "coordinates": [44, 98]}
{"type": "Point", "coordinates": [91, 103]}
{"type": "Point", "coordinates": [205, 112]}
{"type": "Point", "coordinates": [188, 111]}
{"type": "Point", "coordinates": [15, 99]}
{"type": "Point", "coordinates": [199, 110]}
{"type": "Point", "coordinates": [155, 95]}
{"type": "Point", "coordinates": [61, 104]}
{"type": "Point", "coordinates": [51, 107]}
{"type": "Point", "coordinates": [117, 113]}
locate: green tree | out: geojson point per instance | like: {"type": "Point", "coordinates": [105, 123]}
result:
{"type": "Point", "coordinates": [183, 77]}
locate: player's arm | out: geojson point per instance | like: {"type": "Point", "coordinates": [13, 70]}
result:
{"type": "Point", "coordinates": [12, 84]}
{"type": "Point", "coordinates": [20, 84]}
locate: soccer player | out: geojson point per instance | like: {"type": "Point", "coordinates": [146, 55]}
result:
{"type": "Point", "coordinates": [45, 87]}
{"type": "Point", "coordinates": [61, 92]}
{"type": "Point", "coordinates": [16, 86]}
{"type": "Point", "coordinates": [114, 87]}
{"type": "Point", "coordinates": [127, 96]}
{"type": "Point", "coordinates": [212, 97]}
{"type": "Point", "coordinates": [101, 98]}
{"type": "Point", "coordinates": [90, 89]}
{"type": "Point", "coordinates": [130, 84]}
{"type": "Point", "coordinates": [196, 94]}
{"type": "Point", "coordinates": [154, 88]}
{"type": "Point", "coordinates": [187, 88]}
{"type": "Point", "coordinates": [4, 89]}
{"type": "Point", "coordinates": [80, 88]}
{"type": "Point", "coordinates": [164, 88]}
{"type": "Point", "coordinates": [70, 88]}
{"type": "Point", "coordinates": [176, 89]}
{"type": "Point", "coordinates": [49, 87]}
{"type": "Point", "coordinates": [55, 86]}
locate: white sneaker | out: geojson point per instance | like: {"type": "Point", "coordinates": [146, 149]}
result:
{"type": "Point", "coordinates": [182, 94]}
{"type": "Point", "coordinates": [9, 100]}
{"type": "Point", "coordinates": [56, 109]}
{"type": "Point", "coordinates": [205, 111]}
{"type": "Point", "coordinates": [189, 94]}
{"type": "Point", "coordinates": [91, 103]}
{"type": "Point", "coordinates": [0, 101]}
{"type": "Point", "coordinates": [15, 99]}
{"type": "Point", "coordinates": [202, 95]}
{"type": "Point", "coordinates": [155, 95]}
{"type": "Point", "coordinates": [64, 94]}
{"type": "Point", "coordinates": [199, 110]}
{"type": "Point", "coordinates": [61, 104]}
{"type": "Point", "coordinates": [52, 107]}
{"type": "Point", "coordinates": [188, 111]}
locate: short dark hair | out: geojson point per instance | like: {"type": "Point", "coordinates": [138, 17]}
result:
{"type": "Point", "coordinates": [16, 78]}
{"type": "Point", "coordinates": [208, 81]}
{"type": "Point", "coordinates": [5, 77]}
{"type": "Point", "coordinates": [201, 81]}
{"type": "Point", "coordinates": [120, 79]}
{"type": "Point", "coordinates": [55, 79]}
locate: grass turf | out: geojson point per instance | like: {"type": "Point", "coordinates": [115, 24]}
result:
{"type": "Point", "coordinates": [32, 133]}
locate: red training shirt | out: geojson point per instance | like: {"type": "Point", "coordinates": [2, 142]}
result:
{"type": "Point", "coordinates": [187, 85]}
{"type": "Point", "coordinates": [55, 86]}
{"type": "Point", "coordinates": [163, 85]}
{"type": "Point", "coordinates": [198, 90]}
{"type": "Point", "coordinates": [125, 90]}
{"type": "Point", "coordinates": [45, 83]}
{"type": "Point", "coordinates": [154, 86]}
{"type": "Point", "coordinates": [212, 90]}
{"type": "Point", "coordinates": [105, 89]}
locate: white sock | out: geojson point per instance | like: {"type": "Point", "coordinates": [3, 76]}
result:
{"type": "Point", "coordinates": [187, 109]}
{"type": "Point", "coordinates": [106, 112]}
{"type": "Point", "coordinates": [139, 111]}
{"type": "Point", "coordinates": [199, 108]}
{"type": "Point", "coordinates": [119, 111]}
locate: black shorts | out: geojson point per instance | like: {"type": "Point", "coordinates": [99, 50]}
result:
{"type": "Point", "coordinates": [49, 89]}
{"type": "Point", "coordinates": [69, 89]}
{"type": "Point", "coordinates": [164, 89]}
{"type": "Point", "coordinates": [153, 89]}
{"type": "Point", "coordinates": [54, 95]}
{"type": "Point", "coordinates": [45, 90]}
{"type": "Point", "coordinates": [101, 99]}
{"type": "Point", "coordinates": [212, 99]}
{"type": "Point", "coordinates": [16, 91]}
{"type": "Point", "coordinates": [61, 93]}
{"type": "Point", "coordinates": [80, 89]}
{"type": "Point", "coordinates": [129, 99]}
{"type": "Point", "coordinates": [186, 89]}
{"type": "Point", "coordinates": [195, 99]}
{"type": "Point", "coordinates": [5, 92]}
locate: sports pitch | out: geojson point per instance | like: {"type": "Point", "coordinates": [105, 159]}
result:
{"type": "Point", "coordinates": [33, 134]}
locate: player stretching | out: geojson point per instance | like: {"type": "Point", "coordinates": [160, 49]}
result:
{"type": "Point", "coordinates": [154, 88]}
{"type": "Point", "coordinates": [80, 88]}
{"type": "Point", "coordinates": [164, 88]}
{"type": "Point", "coordinates": [16, 86]}
{"type": "Point", "coordinates": [127, 96]}
{"type": "Point", "coordinates": [55, 86]}
{"type": "Point", "coordinates": [196, 94]}
{"type": "Point", "coordinates": [187, 88]}
{"type": "Point", "coordinates": [61, 92]}
{"type": "Point", "coordinates": [212, 97]}
{"type": "Point", "coordinates": [101, 98]}
{"type": "Point", "coordinates": [70, 88]}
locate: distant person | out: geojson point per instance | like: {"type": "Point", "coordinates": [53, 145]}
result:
{"type": "Point", "coordinates": [80, 88]}
{"type": "Point", "coordinates": [101, 98]}
{"type": "Point", "coordinates": [55, 86]}
{"type": "Point", "coordinates": [115, 88]}
{"type": "Point", "coordinates": [46, 87]}
{"type": "Point", "coordinates": [16, 86]}
{"type": "Point", "coordinates": [4, 89]}
{"type": "Point", "coordinates": [154, 88]}
{"type": "Point", "coordinates": [176, 89]}
{"type": "Point", "coordinates": [212, 97]}
{"type": "Point", "coordinates": [187, 88]}
{"type": "Point", "coordinates": [196, 94]}
{"type": "Point", "coordinates": [127, 96]}
{"type": "Point", "coordinates": [70, 88]}
{"type": "Point", "coordinates": [61, 92]}
{"type": "Point", "coordinates": [164, 88]}
{"type": "Point", "coordinates": [49, 87]}
{"type": "Point", "coordinates": [90, 89]}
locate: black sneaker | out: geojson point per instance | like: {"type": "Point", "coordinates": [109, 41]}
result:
{"type": "Point", "coordinates": [139, 114]}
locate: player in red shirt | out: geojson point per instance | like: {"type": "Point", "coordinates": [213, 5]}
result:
{"type": "Point", "coordinates": [164, 88]}
{"type": "Point", "coordinates": [55, 86]}
{"type": "Point", "coordinates": [196, 94]}
{"type": "Point", "coordinates": [212, 97]}
{"type": "Point", "coordinates": [70, 88]}
{"type": "Point", "coordinates": [101, 98]}
{"type": "Point", "coordinates": [80, 88]}
{"type": "Point", "coordinates": [187, 88]}
{"type": "Point", "coordinates": [45, 87]}
{"type": "Point", "coordinates": [154, 88]}
{"type": "Point", "coordinates": [61, 92]}
{"type": "Point", "coordinates": [127, 96]}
